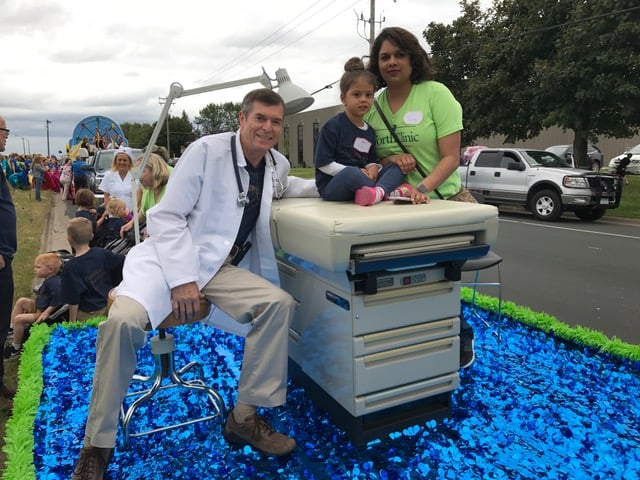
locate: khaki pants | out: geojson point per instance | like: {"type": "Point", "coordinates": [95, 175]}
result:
{"type": "Point", "coordinates": [245, 297]}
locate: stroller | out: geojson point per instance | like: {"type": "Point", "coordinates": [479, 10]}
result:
{"type": "Point", "coordinates": [117, 245]}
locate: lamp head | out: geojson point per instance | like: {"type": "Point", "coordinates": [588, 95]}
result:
{"type": "Point", "coordinates": [295, 98]}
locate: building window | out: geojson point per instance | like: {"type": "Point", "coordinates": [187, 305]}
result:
{"type": "Point", "coordinates": [301, 145]}
{"type": "Point", "coordinates": [316, 132]}
{"type": "Point", "coordinates": [286, 146]}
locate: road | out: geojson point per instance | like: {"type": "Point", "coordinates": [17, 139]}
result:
{"type": "Point", "coordinates": [582, 273]}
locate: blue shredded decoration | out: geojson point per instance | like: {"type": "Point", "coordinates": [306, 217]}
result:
{"type": "Point", "coordinates": [530, 407]}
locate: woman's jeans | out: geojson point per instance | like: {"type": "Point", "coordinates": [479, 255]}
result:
{"type": "Point", "coordinates": [38, 183]}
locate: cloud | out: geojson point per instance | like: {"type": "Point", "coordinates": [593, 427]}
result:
{"type": "Point", "coordinates": [71, 58]}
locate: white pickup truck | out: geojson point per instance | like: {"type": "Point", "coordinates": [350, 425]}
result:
{"type": "Point", "coordinates": [541, 182]}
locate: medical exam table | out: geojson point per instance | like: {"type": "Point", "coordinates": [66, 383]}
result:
{"type": "Point", "coordinates": [375, 339]}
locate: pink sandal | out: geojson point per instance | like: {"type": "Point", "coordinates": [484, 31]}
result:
{"type": "Point", "coordinates": [403, 190]}
{"type": "Point", "coordinates": [365, 196]}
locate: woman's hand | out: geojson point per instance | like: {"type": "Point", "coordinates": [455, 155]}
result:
{"type": "Point", "coordinates": [405, 161]}
{"type": "Point", "coordinates": [419, 197]}
{"type": "Point", "coordinates": [371, 172]}
{"type": "Point", "coordinates": [125, 228]}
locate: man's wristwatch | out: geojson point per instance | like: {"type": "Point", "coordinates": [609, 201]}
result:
{"type": "Point", "coordinates": [422, 189]}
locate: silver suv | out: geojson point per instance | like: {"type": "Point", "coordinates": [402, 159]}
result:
{"type": "Point", "coordinates": [595, 157]}
{"type": "Point", "coordinates": [100, 163]}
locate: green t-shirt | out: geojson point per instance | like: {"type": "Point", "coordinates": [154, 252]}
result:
{"type": "Point", "coordinates": [429, 113]}
{"type": "Point", "coordinates": [148, 199]}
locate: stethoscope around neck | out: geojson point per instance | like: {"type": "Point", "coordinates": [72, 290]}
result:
{"type": "Point", "coordinates": [243, 200]}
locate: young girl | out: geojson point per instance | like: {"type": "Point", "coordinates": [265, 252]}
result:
{"type": "Point", "coordinates": [66, 176]}
{"type": "Point", "coordinates": [27, 310]}
{"type": "Point", "coordinates": [345, 158]}
{"type": "Point", "coordinates": [118, 216]}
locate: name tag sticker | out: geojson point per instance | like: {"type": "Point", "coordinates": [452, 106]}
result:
{"type": "Point", "coordinates": [412, 118]}
{"type": "Point", "coordinates": [362, 145]}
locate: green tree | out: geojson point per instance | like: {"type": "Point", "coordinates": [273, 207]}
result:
{"type": "Point", "coordinates": [137, 134]}
{"type": "Point", "coordinates": [455, 52]}
{"type": "Point", "coordinates": [181, 133]}
{"type": "Point", "coordinates": [534, 64]}
{"type": "Point", "coordinates": [217, 118]}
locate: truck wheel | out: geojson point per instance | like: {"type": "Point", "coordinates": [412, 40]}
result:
{"type": "Point", "coordinates": [590, 214]}
{"type": "Point", "coordinates": [546, 205]}
{"type": "Point", "coordinates": [595, 166]}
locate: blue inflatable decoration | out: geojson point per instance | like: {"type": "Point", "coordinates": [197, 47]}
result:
{"type": "Point", "coordinates": [100, 131]}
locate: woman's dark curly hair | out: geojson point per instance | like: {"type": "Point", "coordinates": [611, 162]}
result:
{"type": "Point", "coordinates": [421, 66]}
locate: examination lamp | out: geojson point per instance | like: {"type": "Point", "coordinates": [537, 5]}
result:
{"type": "Point", "coordinates": [295, 99]}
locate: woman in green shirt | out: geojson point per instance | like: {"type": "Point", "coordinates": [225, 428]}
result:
{"type": "Point", "coordinates": [423, 112]}
{"type": "Point", "coordinates": [153, 183]}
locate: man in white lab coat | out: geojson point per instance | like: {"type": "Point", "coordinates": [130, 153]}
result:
{"type": "Point", "coordinates": [216, 206]}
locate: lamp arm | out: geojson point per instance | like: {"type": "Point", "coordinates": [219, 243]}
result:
{"type": "Point", "coordinates": [176, 91]}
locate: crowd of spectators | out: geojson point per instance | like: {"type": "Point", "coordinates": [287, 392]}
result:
{"type": "Point", "coordinates": [66, 288]}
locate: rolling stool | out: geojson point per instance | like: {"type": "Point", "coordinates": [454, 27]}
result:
{"type": "Point", "coordinates": [490, 260]}
{"type": "Point", "coordinates": [162, 348]}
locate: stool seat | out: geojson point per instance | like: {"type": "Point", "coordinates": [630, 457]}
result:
{"type": "Point", "coordinates": [162, 349]}
{"type": "Point", "coordinates": [170, 320]}
{"type": "Point", "coordinates": [480, 263]}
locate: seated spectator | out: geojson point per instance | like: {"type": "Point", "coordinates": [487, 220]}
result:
{"type": "Point", "coordinates": [86, 202]}
{"type": "Point", "coordinates": [90, 274]}
{"type": "Point", "coordinates": [27, 311]}
{"type": "Point", "coordinates": [117, 217]}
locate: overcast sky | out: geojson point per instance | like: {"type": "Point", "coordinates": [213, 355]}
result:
{"type": "Point", "coordinates": [64, 60]}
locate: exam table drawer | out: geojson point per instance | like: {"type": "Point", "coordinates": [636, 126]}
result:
{"type": "Point", "coordinates": [405, 306]}
{"type": "Point", "coordinates": [403, 394]}
{"type": "Point", "coordinates": [390, 368]}
{"type": "Point", "coordinates": [405, 336]}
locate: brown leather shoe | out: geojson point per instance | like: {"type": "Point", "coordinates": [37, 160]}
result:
{"type": "Point", "coordinates": [92, 463]}
{"type": "Point", "coordinates": [256, 432]}
{"type": "Point", "coordinates": [6, 392]}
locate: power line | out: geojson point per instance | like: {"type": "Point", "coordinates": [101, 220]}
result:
{"type": "Point", "coordinates": [272, 38]}
{"type": "Point", "coordinates": [261, 42]}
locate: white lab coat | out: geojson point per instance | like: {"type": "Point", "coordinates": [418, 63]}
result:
{"type": "Point", "coordinates": [193, 227]}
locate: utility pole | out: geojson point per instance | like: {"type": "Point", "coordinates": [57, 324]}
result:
{"type": "Point", "coordinates": [48, 150]}
{"type": "Point", "coordinates": [162, 101]}
{"type": "Point", "coordinates": [372, 22]}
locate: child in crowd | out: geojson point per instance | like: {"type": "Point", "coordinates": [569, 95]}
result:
{"type": "Point", "coordinates": [66, 177]}
{"type": "Point", "coordinates": [48, 299]}
{"type": "Point", "coordinates": [90, 274]}
{"type": "Point", "coordinates": [118, 216]}
{"type": "Point", "coordinates": [345, 156]}
{"type": "Point", "coordinates": [86, 202]}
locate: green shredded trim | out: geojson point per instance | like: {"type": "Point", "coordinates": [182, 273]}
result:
{"type": "Point", "coordinates": [547, 323]}
{"type": "Point", "coordinates": [19, 431]}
